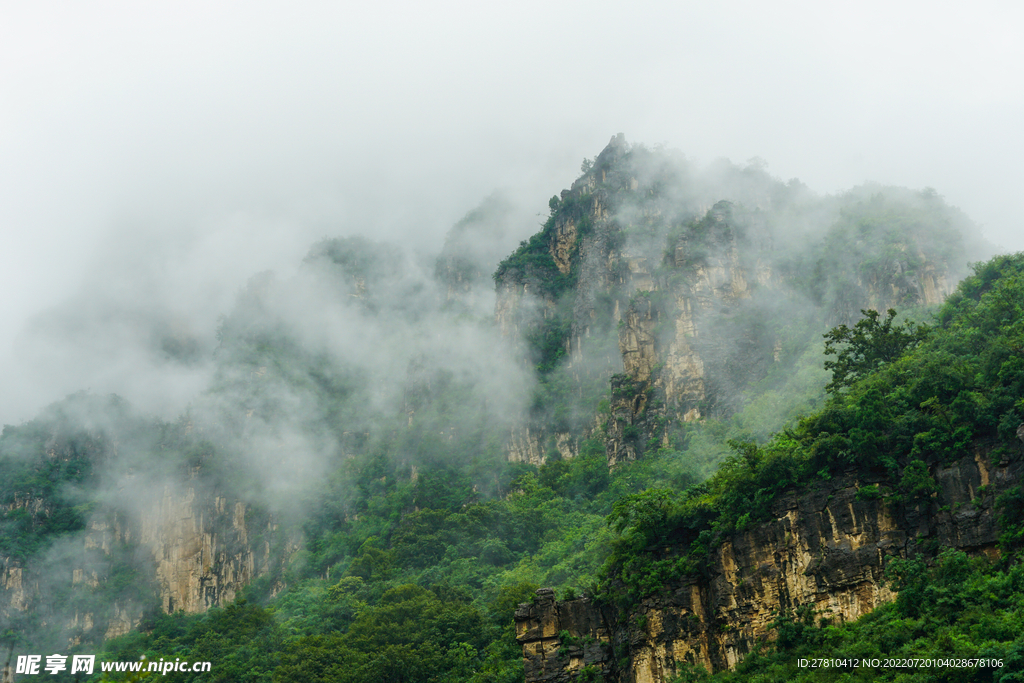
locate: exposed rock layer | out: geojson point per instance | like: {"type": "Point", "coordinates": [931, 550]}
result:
{"type": "Point", "coordinates": [195, 548]}
{"type": "Point", "coordinates": [697, 287]}
{"type": "Point", "coordinates": [825, 548]}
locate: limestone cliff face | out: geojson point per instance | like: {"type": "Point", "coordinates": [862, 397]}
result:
{"type": "Point", "coordinates": [677, 338]}
{"type": "Point", "coordinates": [195, 549]}
{"type": "Point", "coordinates": [684, 292]}
{"type": "Point", "coordinates": [204, 550]}
{"type": "Point", "coordinates": [572, 277]}
{"type": "Point", "coordinates": [15, 596]}
{"type": "Point", "coordinates": [560, 639]}
{"type": "Point", "coordinates": [526, 446]}
{"type": "Point", "coordinates": [826, 548]}
{"type": "Point", "coordinates": [713, 318]}
{"type": "Point", "coordinates": [17, 589]}
{"type": "Point", "coordinates": [907, 278]}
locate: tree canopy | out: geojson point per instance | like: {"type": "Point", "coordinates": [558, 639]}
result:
{"type": "Point", "coordinates": [867, 346]}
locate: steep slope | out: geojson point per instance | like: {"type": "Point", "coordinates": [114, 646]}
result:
{"type": "Point", "coordinates": [923, 454]}
{"type": "Point", "coordinates": [825, 549]}
{"type": "Point", "coordinates": [95, 535]}
{"type": "Point", "coordinates": [686, 287]}
{"type": "Point", "coordinates": [374, 444]}
{"type": "Point", "coordinates": [111, 518]}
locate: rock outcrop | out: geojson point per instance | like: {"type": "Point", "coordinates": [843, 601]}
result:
{"type": "Point", "coordinates": [825, 549]}
{"type": "Point", "coordinates": [185, 548]}
{"type": "Point", "coordinates": [689, 290]}
{"type": "Point", "coordinates": [560, 639]}
{"type": "Point", "coordinates": [205, 551]}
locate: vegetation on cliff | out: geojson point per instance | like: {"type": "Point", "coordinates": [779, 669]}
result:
{"type": "Point", "coordinates": [651, 261]}
{"type": "Point", "coordinates": [358, 408]}
{"type": "Point", "coordinates": [952, 389]}
{"type": "Point", "coordinates": [958, 609]}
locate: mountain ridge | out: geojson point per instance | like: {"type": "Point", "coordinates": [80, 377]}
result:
{"type": "Point", "coordinates": [377, 439]}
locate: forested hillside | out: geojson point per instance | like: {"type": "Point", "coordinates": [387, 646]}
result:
{"type": "Point", "coordinates": [915, 459]}
{"type": "Point", "coordinates": [396, 449]}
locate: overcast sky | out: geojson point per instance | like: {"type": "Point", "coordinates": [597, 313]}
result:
{"type": "Point", "coordinates": [156, 155]}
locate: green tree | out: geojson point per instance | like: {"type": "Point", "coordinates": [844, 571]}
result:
{"type": "Point", "coordinates": [867, 346]}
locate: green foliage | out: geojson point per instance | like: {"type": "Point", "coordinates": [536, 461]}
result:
{"type": "Point", "coordinates": [870, 492]}
{"type": "Point", "coordinates": [444, 487]}
{"type": "Point", "coordinates": [868, 346]}
{"type": "Point", "coordinates": [432, 590]}
{"type": "Point", "coordinates": [242, 641]}
{"type": "Point", "coordinates": [422, 540]}
{"type": "Point", "coordinates": [411, 634]}
{"type": "Point", "coordinates": [916, 483]}
{"type": "Point", "coordinates": [548, 341]}
{"type": "Point", "coordinates": [955, 388]}
{"type": "Point", "coordinates": [46, 464]}
{"type": "Point", "coordinates": [958, 608]}
{"type": "Point", "coordinates": [532, 263]}
{"type": "Point", "coordinates": [1011, 518]}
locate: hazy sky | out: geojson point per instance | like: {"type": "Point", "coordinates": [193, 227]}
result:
{"type": "Point", "coordinates": [153, 156]}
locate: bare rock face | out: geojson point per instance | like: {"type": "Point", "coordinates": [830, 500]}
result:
{"type": "Point", "coordinates": [202, 549]}
{"type": "Point", "coordinates": [198, 549]}
{"type": "Point", "coordinates": [16, 599]}
{"type": "Point", "coordinates": [698, 282]}
{"type": "Point", "coordinates": [825, 548]}
{"type": "Point", "coordinates": [525, 447]}
{"type": "Point", "coordinates": [564, 244]}
{"type": "Point", "coordinates": [676, 337]}
{"type": "Point", "coordinates": [560, 639]}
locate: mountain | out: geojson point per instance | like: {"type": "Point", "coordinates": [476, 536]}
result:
{"type": "Point", "coordinates": [688, 288]}
{"type": "Point", "coordinates": [916, 462]}
{"type": "Point", "coordinates": [395, 450]}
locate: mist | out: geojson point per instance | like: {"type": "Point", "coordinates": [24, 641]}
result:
{"type": "Point", "coordinates": [153, 160]}
{"type": "Point", "coordinates": [272, 231]}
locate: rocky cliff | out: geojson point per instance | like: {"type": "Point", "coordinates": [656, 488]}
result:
{"type": "Point", "coordinates": [687, 287]}
{"type": "Point", "coordinates": [113, 544]}
{"type": "Point", "coordinates": [826, 549]}
{"type": "Point", "coordinates": [195, 552]}
{"type": "Point", "coordinates": [205, 548]}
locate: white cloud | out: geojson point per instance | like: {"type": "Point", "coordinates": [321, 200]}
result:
{"type": "Point", "coordinates": [232, 135]}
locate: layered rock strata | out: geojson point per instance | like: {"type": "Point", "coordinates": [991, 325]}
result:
{"type": "Point", "coordinates": [685, 293]}
{"type": "Point", "coordinates": [826, 548]}
{"type": "Point", "coordinates": [196, 549]}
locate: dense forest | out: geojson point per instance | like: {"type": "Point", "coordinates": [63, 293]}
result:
{"type": "Point", "coordinates": [396, 450]}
